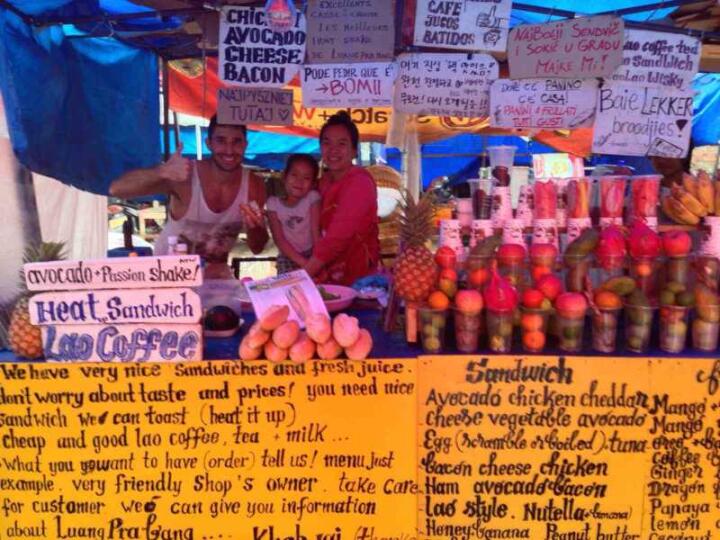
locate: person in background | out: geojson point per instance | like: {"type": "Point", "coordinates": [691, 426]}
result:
{"type": "Point", "coordinates": [210, 201]}
{"type": "Point", "coordinates": [349, 247]}
{"type": "Point", "coordinates": [671, 169]}
{"type": "Point", "coordinates": [295, 219]}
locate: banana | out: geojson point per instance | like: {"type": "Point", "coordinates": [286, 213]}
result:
{"type": "Point", "coordinates": [669, 211]}
{"type": "Point", "coordinates": [690, 184]}
{"type": "Point", "coordinates": [706, 191]}
{"type": "Point", "coordinates": [688, 201]}
{"type": "Point", "coordinates": [680, 213]}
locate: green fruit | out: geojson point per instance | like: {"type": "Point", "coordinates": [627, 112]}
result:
{"type": "Point", "coordinates": [635, 343]}
{"type": "Point", "coordinates": [572, 332]}
{"type": "Point", "coordinates": [505, 328]}
{"type": "Point", "coordinates": [667, 297]}
{"type": "Point", "coordinates": [582, 246]}
{"type": "Point", "coordinates": [430, 330]}
{"type": "Point", "coordinates": [685, 298]}
{"type": "Point", "coordinates": [622, 285]}
{"type": "Point", "coordinates": [675, 287]}
{"type": "Point", "coordinates": [639, 317]}
{"type": "Point", "coordinates": [638, 298]}
{"type": "Point", "coordinates": [432, 344]}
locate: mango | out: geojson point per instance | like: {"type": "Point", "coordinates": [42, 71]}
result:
{"type": "Point", "coordinates": [622, 285]}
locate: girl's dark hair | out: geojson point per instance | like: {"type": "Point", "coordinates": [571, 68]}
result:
{"type": "Point", "coordinates": [308, 159]}
{"type": "Point", "coordinates": [342, 118]}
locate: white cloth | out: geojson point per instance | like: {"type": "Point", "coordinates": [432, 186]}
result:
{"type": "Point", "coordinates": [209, 234]}
{"type": "Point", "coordinates": [295, 220]}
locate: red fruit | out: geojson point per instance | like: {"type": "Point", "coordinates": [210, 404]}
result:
{"type": "Point", "coordinates": [571, 304]}
{"type": "Point", "coordinates": [469, 301]}
{"type": "Point", "coordinates": [478, 277]}
{"type": "Point", "coordinates": [499, 294]}
{"type": "Point", "coordinates": [550, 285]}
{"type": "Point", "coordinates": [611, 247]}
{"type": "Point", "coordinates": [532, 298]}
{"type": "Point", "coordinates": [543, 254]}
{"type": "Point", "coordinates": [676, 243]}
{"type": "Point", "coordinates": [445, 257]}
{"type": "Point", "coordinates": [448, 273]}
{"type": "Point", "coordinates": [539, 271]}
{"type": "Point", "coordinates": [510, 253]}
{"type": "Point", "coordinates": [643, 241]}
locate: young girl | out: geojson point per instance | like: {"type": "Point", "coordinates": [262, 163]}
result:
{"type": "Point", "coordinates": [295, 219]}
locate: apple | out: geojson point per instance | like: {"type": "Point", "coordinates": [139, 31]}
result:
{"type": "Point", "coordinates": [676, 243]}
{"type": "Point", "coordinates": [532, 298]}
{"type": "Point", "coordinates": [543, 254]}
{"type": "Point", "coordinates": [445, 257]}
{"type": "Point", "coordinates": [510, 253]}
{"type": "Point", "coordinates": [571, 305]}
{"type": "Point", "coordinates": [448, 273]}
{"type": "Point", "coordinates": [478, 277]}
{"type": "Point", "coordinates": [550, 285]}
{"type": "Point", "coordinates": [469, 301]}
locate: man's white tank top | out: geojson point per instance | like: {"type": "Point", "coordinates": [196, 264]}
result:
{"type": "Point", "coordinates": [209, 234]}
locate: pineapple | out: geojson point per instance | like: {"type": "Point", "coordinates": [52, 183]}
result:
{"type": "Point", "coordinates": [415, 271]}
{"type": "Point", "coordinates": [24, 338]}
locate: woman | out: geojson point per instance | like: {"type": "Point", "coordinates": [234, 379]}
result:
{"type": "Point", "coordinates": [349, 248]}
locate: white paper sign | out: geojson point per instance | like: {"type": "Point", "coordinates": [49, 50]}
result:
{"type": "Point", "coordinates": [577, 48]}
{"type": "Point", "coordinates": [123, 343]}
{"type": "Point", "coordinates": [113, 307]}
{"type": "Point", "coordinates": [347, 85]}
{"type": "Point", "coordinates": [268, 106]}
{"type": "Point", "coordinates": [636, 121]}
{"type": "Point", "coordinates": [445, 84]}
{"type": "Point", "coordinates": [478, 25]}
{"type": "Point", "coordinates": [658, 59]}
{"type": "Point", "coordinates": [114, 273]}
{"type": "Point", "coordinates": [294, 289]}
{"type": "Point", "coordinates": [253, 54]}
{"type": "Point", "coordinates": [543, 103]}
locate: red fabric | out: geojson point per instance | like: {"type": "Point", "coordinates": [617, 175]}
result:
{"type": "Point", "coordinates": [349, 246]}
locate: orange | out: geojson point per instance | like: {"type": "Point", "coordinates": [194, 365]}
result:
{"type": "Point", "coordinates": [531, 322]}
{"type": "Point", "coordinates": [534, 340]}
{"type": "Point", "coordinates": [643, 269]}
{"type": "Point", "coordinates": [438, 300]}
{"type": "Point", "coordinates": [607, 300]}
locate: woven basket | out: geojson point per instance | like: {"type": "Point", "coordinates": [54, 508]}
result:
{"type": "Point", "coordinates": [389, 227]}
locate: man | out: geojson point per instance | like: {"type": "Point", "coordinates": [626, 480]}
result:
{"type": "Point", "coordinates": [210, 201]}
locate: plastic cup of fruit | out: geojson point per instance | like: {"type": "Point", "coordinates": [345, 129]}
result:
{"type": "Point", "coordinates": [500, 330]}
{"type": "Point", "coordinates": [577, 268]}
{"type": "Point", "coordinates": [533, 325]}
{"type": "Point", "coordinates": [467, 330]}
{"type": "Point", "coordinates": [604, 329]}
{"type": "Point", "coordinates": [474, 262]}
{"type": "Point", "coordinates": [706, 270]}
{"type": "Point", "coordinates": [638, 327]}
{"type": "Point", "coordinates": [513, 269]}
{"type": "Point", "coordinates": [608, 267]}
{"type": "Point", "coordinates": [432, 329]}
{"type": "Point", "coordinates": [645, 271]}
{"type": "Point", "coordinates": [705, 332]}
{"type": "Point", "coordinates": [570, 331]}
{"type": "Point", "coordinates": [673, 328]}
{"type": "Point", "coordinates": [677, 269]}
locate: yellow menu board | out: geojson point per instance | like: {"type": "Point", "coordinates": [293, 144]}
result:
{"type": "Point", "coordinates": [211, 450]}
{"type": "Point", "coordinates": [562, 448]}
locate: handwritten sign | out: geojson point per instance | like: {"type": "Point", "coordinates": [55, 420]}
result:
{"type": "Point", "coordinates": [480, 25]}
{"type": "Point", "coordinates": [348, 85]}
{"type": "Point", "coordinates": [559, 448]}
{"type": "Point", "coordinates": [445, 84]}
{"type": "Point", "coordinates": [658, 59]}
{"type": "Point", "coordinates": [114, 273]}
{"type": "Point", "coordinates": [253, 54]}
{"type": "Point", "coordinates": [192, 451]}
{"type": "Point", "coordinates": [181, 306]}
{"type": "Point", "coordinates": [122, 343]}
{"type": "Point", "coordinates": [636, 121]}
{"type": "Point", "coordinates": [543, 103]}
{"type": "Point", "coordinates": [350, 31]}
{"type": "Point", "coordinates": [577, 48]}
{"type": "Point", "coordinates": [266, 106]}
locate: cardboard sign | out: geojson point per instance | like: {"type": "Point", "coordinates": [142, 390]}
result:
{"type": "Point", "coordinates": [114, 273]}
{"type": "Point", "coordinates": [480, 25]}
{"type": "Point", "coordinates": [267, 106]}
{"type": "Point", "coordinates": [350, 31]}
{"type": "Point", "coordinates": [112, 307]}
{"type": "Point", "coordinates": [253, 54]}
{"type": "Point", "coordinates": [122, 343]}
{"type": "Point", "coordinates": [347, 85]}
{"type": "Point", "coordinates": [577, 48]}
{"type": "Point", "coordinates": [222, 450]}
{"type": "Point", "coordinates": [658, 59]}
{"type": "Point", "coordinates": [543, 103]}
{"type": "Point", "coordinates": [633, 120]}
{"type": "Point", "coordinates": [294, 289]}
{"type": "Point", "coordinates": [445, 84]}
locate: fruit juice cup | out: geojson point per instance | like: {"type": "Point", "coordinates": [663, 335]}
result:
{"type": "Point", "coordinates": [607, 267]}
{"type": "Point", "coordinates": [612, 200]}
{"type": "Point", "coordinates": [604, 329]}
{"type": "Point", "coordinates": [533, 322]}
{"type": "Point", "coordinates": [706, 270]}
{"type": "Point", "coordinates": [645, 271]}
{"type": "Point", "coordinates": [705, 327]}
{"type": "Point", "coordinates": [673, 328]}
{"type": "Point", "coordinates": [677, 269]}
{"type": "Point", "coordinates": [467, 330]}
{"type": "Point", "coordinates": [645, 192]}
{"type": "Point", "coordinates": [570, 332]}
{"type": "Point", "coordinates": [638, 327]}
{"type": "Point", "coordinates": [577, 269]}
{"type": "Point", "coordinates": [432, 329]}
{"type": "Point", "coordinates": [500, 330]}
